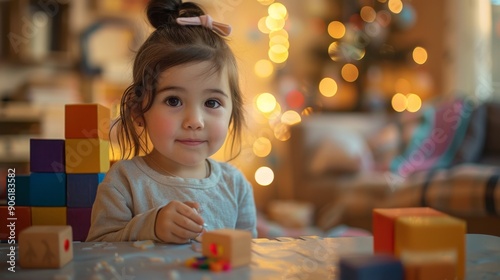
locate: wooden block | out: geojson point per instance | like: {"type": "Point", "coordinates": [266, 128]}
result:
{"type": "Point", "coordinates": [87, 156]}
{"type": "Point", "coordinates": [430, 266]}
{"type": "Point", "coordinates": [47, 189]}
{"type": "Point", "coordinates": [45, 247]}
{"type": "Point", "coordinates": [383, 225]}
{"type": "Point", "coordinates": [12, 225]}
{"type": "Point", "coordinates": [81, 189]}
{"type": "Point", "coordinates": [431, 234]}
{"type": "Point", "coordinates": [230, 245]}
{"type": "Point", "coordinates": [48, 216]}
{"type": "Point", "coordinates": [86, 121]}
{"type": "Point", "coordinates": [22, 186]}
{"type": "Point", "coordinates": [370, 267]}
{"type": "Point", "coordinates": [79, 220]}
{"type": "Point", "coordinates": [47, 155]}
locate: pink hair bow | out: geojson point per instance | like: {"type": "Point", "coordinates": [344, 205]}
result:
{"type": "Point", "coordinates": [207, 21]}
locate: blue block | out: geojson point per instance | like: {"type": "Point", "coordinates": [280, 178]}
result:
{"type": "Point", "coordinates": [47, 189]}
{"type": "Point", "coordinates": [22, 189]}
{"type": "Point", "coordinates": [371, 267]}
{"type": "Point", "coordinates": [82, 188]}
{"type": "Point", "coordinates": [47, 155]}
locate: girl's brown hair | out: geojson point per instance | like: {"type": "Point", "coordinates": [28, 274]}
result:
{"type": "Point", "coordinates": [170, 45]}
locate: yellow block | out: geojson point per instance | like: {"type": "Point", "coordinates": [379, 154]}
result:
{"type": "Point", "coordinates": [431, 234]}
{"type": "Point", "coordinates": [89, 155]}
{"type": "Point", "coordinates": [48, 216]}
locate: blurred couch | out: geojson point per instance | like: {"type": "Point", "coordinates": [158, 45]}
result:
{"type": "Point", "coordinates": [446, 156]}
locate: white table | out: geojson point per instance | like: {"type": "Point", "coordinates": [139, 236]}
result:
{"type": "Point", "coordinates": [286, 258]}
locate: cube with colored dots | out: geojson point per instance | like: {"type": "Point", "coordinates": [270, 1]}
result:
{"type": "Point", "coordinates": [229, 245]}
{"type": "Point", "coordinates": [383, 225]}
{"type": "Point", "coordinates": [45, 247]}
{"type": "Point", "coordinates": [431, 234]}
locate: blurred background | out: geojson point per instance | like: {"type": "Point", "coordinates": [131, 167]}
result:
{"type": "Point", "coordinates": [304, 66]}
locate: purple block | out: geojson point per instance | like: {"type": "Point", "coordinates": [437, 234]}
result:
{"type": "Point", "coordinates": [47, 156]}
{"type": "Point", "coordinates": [81, 189]}
{"type": "Point", "coordinates": [79, 220]}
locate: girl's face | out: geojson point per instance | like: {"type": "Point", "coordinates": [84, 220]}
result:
{"type": "Point", "coordinates": [189, 119]}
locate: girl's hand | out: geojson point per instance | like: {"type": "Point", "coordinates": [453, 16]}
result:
{"type": "Point", "coordinates": [178, 222]}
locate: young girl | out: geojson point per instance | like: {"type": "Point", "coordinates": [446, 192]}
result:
{"type": "Point", "coordinates": [183, 101]}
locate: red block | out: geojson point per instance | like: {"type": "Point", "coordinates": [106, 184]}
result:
{"type": "Point", "coordinates": [383, 225]}
{"type": "Point", "coordinates": [86, 121]}
{"type": "Point", "coordinates": [19, 221]}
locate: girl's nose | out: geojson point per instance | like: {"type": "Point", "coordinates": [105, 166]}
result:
{"type": "Point", "coordinates": [193, 119]}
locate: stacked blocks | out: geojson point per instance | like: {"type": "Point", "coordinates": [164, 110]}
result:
{"type": "Point", "coordinates": [45, 247]}
{"type": "Point", "coordinates": [384, 222]}
{"type": "Point", "coordinates": [65, 174]}
{"type": "Point", "coordinates": [429, 243]}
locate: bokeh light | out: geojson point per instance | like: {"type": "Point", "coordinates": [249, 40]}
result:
{"type": "Point", "coordinates": [335, 51]}
{"type": "Point", "coordinates": [262, 147]}
{"type": "Point", "coordinates": [419, 55]}
{"type": "Point", "coordinates": [266, 102]}
{"type": "Point", "coordinates": [399, 102]}
{"type": "Point", "coordinates": [278, 53]}
{"type": "Point", "coordinates": [414, 103]}
{"type": "Point", "coordinates": [350, 72]}
{"type": "Point", "coordinates": [262, 26]}
{"type": "Point", "coordinates": [290, 117]}
{"type": "Point", "coordinates": [395, 6]}
{"type": "Point", "coordinates": [277, 11]}
{"type": "Point", "coordinates": [282, 132]}
{"type": "Point", "coordinates": [279, 40]}
{"type": "Point", "coordinates": [264, 68]}
{"type": "Point", "coordinates": [264, 176]}
{"type": "Point", "coordinates": [274, 24]}
{"type": "Point", "coordinates": [336, 29]}
{"type": "Point", "coordinates": [368, 14]}
{"type": "Point", "coordinates": [328, 87]}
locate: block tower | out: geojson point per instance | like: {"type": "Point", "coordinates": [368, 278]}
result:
{"type": "Point", "coordinates": [64, 174]}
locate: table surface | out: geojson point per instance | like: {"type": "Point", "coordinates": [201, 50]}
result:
{"type": "Point", "coordinates": [282, 258]}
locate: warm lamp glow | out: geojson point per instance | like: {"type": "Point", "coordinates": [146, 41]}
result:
{"type": "Point", "coordinates": [291, 118]}
{"type": "Point", "coordinates": [395, 6]}
{"type": "Point", "coordinates": [336, 29]}
{"type": "Point", "coordinates": [368, 14]}
{"type": "Point", "coordinates": [262, 147]}
{"type": "Point", "coordinates": [419, 55]}
{"type": "Point", "coordinates": [414, 103]}
{"type": "Point", "coordinates": [264, 68]}
{"type": "Point", "coordinates": [334, 51]}
{"type": "Point", "coordinates": [399, 102]}
{"type": "Point", "coordinates": [328, 87]}
{"type": "Point", "coordinates": [264, 176]}
{"type": "Point", "coordinates": [278, 53]}
{"type": "Point", "coordinates": [266, 102]}
{"type": "Point", "coordinates": [350, 72]}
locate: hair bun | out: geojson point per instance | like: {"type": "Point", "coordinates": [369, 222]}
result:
{"type": "Point", "coordinates": [163, 12]}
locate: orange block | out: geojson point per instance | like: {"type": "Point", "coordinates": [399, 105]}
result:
{"type": "Point", "coordinates": [229, 245]}
{"type": "Point", "coordinates": [86, 121]}
{"type": "Point", "coordinates": [432, 234]}
{"type": "Point", "coordinates": [430, 266]}
{"type": "Point", "coordinates": [89, 155]}
{"type": "Point", "coordinates": [383, 225]}
{"type": "Point", "coordinates": [13, 221]}
{"type": "Point", "coordinates": [48, 216]}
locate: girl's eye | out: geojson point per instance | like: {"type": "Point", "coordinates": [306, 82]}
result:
{"type": "Point", "coordinates": [212, 103]}
{"type": "Point", "coordinates": [173, 101]}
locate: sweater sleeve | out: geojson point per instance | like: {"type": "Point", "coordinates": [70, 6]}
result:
{"type": "Point", "coordinates": [247, 216]}
{"type": "Point", "coordinates": [113, 219]}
